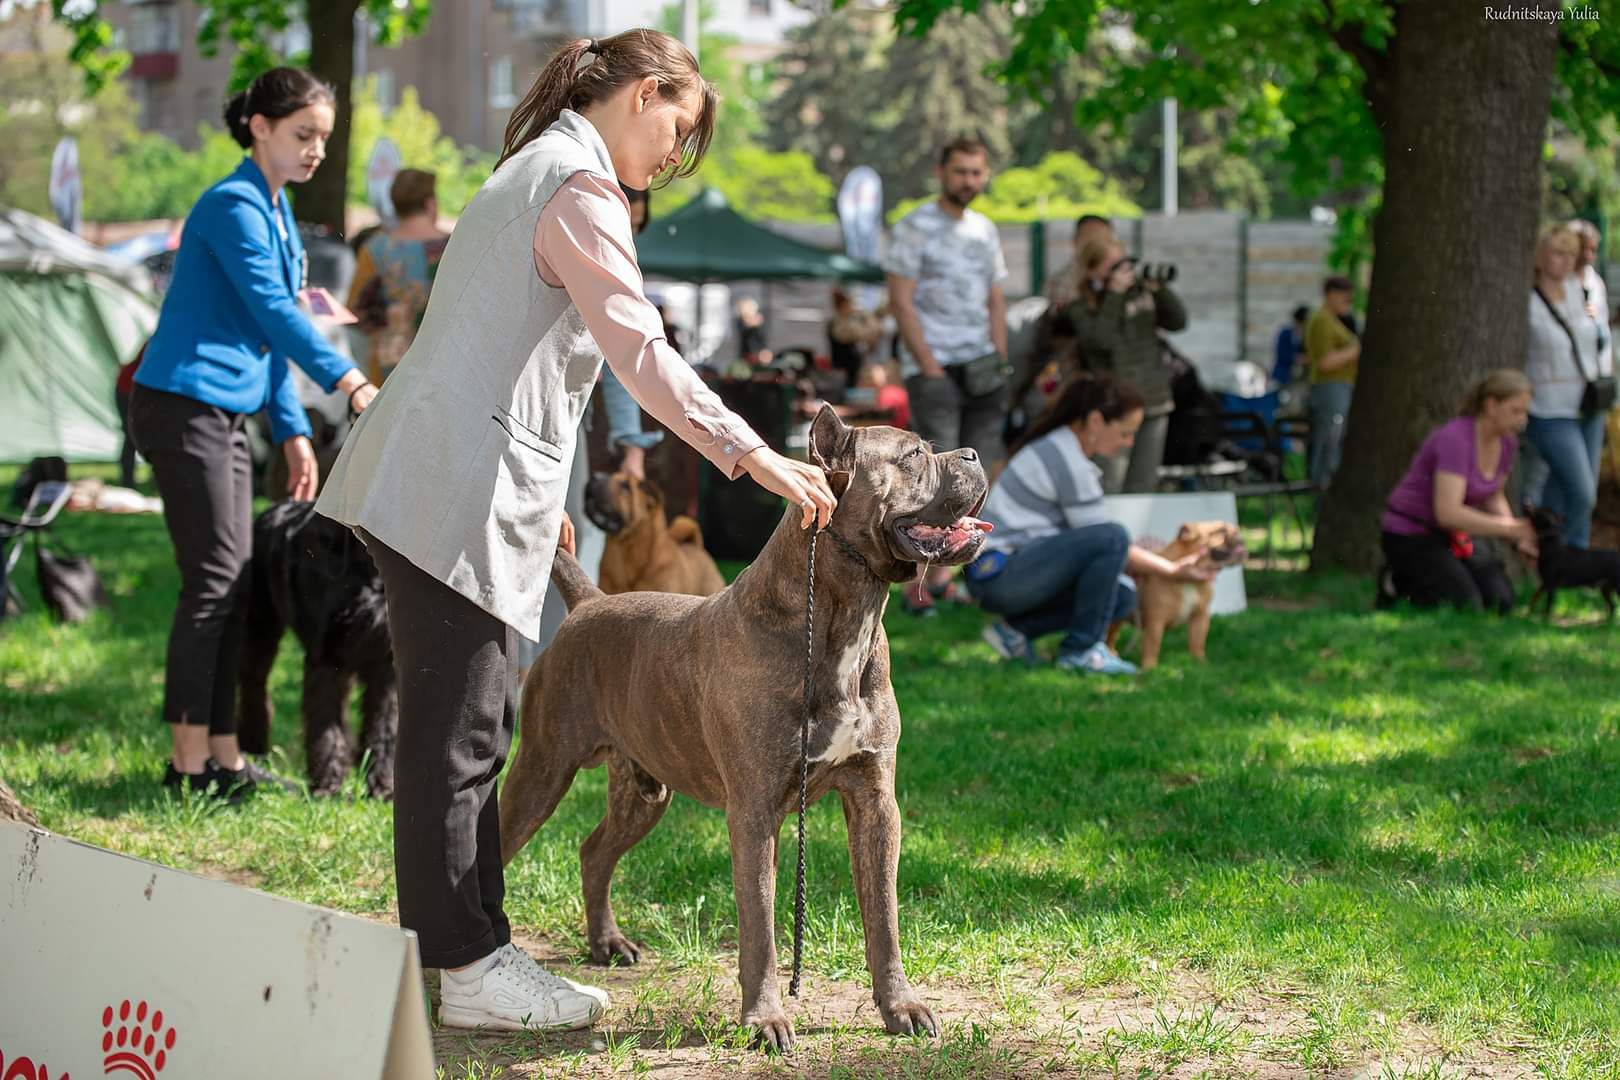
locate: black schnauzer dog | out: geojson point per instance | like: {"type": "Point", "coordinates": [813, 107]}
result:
{"type": "Point", "coordinates": [312, 574]}
{"type": "Point", "coordinates": [1562, 566]}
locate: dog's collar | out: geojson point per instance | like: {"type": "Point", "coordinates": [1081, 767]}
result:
{"type": "Point", "coordinates": [853, 552]}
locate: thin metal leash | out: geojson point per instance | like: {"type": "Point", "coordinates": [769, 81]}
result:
{"type": "Point", "coordinates": [804, 762]}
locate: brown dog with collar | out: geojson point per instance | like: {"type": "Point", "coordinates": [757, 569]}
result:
{"type": "Point", "coordinates": [1162, 603]}
{"type": "Point", "coordinates": [706, 697]}
{"type": "Point", "coordinates": [644, 552]}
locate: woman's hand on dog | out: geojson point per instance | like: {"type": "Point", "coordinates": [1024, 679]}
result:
{"type": "Point", "coordinates": [800, 483]}
{"type": "Point", "coordinates": [1521, 533]}
{"type": "Point", "coordinates": [1187, 569]}
{"type": "Point", "coordinates": [303, 474]}
{"type": "Point", "coordinates": [565, 536]}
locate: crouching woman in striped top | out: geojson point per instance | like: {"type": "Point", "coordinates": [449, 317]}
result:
{"type": "Point", "coordinates": [1056, 561]}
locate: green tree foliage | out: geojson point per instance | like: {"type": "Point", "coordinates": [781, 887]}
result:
{"type": "Point", "coordinates": [459, 170]}
{"type": "Point", "coordinates": [838, 64]}
{"type": "Point", "coordinates": [1061, 185]}
{"type": "Point", "coordinates": [757, 182]}
{"type": "Point", "coordinates": [854, 94]}
{"type": "Point", "coordinates": [762, 184]}
{"type": "Point", "coordinates": [46, 98]}
{"type": "Point", "coordinates": [250, 26]}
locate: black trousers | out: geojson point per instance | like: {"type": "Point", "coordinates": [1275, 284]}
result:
{"type": "Point", "coordinates": [126, 453]}
{"type": "Point", "coordinates": [199, 457]}
{"type": "Point", "coordinates": [455, 728]}
{"type": "Point", "coordinates": [1427, 573]}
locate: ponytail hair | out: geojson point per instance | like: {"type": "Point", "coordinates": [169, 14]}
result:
{"type": "Point", "coordinates": [587, 71]}
{"type": "Point", "coordinates": [277, 93]}
{"type": "Point", "coordinates": [1081, 396]}
{"type": "Point", "coordinates": [1499, 385]}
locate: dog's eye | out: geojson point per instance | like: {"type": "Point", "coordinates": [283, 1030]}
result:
{"type": "Point", "coordinates": [916, 452]}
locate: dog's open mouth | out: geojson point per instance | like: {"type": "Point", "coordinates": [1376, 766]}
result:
{"type": "Point", "coordinates": [1229, 554]}
{"type": "Point", "coordinates": [946, 543]}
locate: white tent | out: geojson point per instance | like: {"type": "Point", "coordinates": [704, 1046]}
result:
{"type": "Point", "coordinates": [69, 316]}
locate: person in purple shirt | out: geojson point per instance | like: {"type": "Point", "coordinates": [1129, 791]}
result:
{"type": "Point", "coordinates": [1453, 492]}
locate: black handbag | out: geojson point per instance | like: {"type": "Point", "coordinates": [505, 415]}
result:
{"type": "Point", "coordinates": [982, 376]}
{"type": "Point", "coordinates": [68, 584]}
{"type": "Point", "coordinates": [1601, 390]}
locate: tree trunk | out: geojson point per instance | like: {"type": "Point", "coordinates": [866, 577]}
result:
{"type": "Point", "coordinates": [12, 810]}
{"type": "Point", "coordinates": [1463, 105]}
{"type": "Point", "coordinates": [331, 57]}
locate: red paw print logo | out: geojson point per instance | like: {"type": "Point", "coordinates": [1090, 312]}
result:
{"type": "Point", "coordinates": [135, 1041]}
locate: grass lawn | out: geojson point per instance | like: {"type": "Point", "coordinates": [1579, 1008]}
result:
{"type": "Point", "coordinates": [1353, 844]}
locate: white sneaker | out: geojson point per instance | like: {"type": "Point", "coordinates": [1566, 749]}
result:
{"type": "Point", "coordinates": [579, 988]}
{"type": "Point", "coordinates": [517, 995]}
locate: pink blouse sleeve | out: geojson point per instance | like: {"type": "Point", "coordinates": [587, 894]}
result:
{"type": "Point", "coordinates": [583, 244]}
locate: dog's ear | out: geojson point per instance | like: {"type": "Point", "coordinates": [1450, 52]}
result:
{"type": "Point", "coordinates": [829, 440]}
{"type": "Point", "coordinates": [651, 497]}
{"type": "Point", "coordinates": [1187, 534]}
{"type": "Point", "coordinates": [831, 447]}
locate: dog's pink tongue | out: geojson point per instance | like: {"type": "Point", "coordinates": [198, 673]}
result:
{"type": "Point", "coordinates": [973, 524]}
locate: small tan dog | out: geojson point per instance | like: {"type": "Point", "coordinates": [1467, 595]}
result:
{"type": "Point", "coordinates": [1162, 603]}
{"type": "Point", "coordinates": [643, 553]}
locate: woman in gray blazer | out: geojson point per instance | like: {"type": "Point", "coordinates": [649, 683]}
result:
{"type": "Point", "coordinates": [456, 474]}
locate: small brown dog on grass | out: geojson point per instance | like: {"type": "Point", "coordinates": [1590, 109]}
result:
{"type": "Point", "coordinates": [643, 553]}
{"type": "Point", "coordinates": [1163, 603]}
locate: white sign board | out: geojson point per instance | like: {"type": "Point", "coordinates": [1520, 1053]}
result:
{"type": "Point", "coordinates": [860, 213]}
{"type": "Point", "coordinates": [1160, 517]}
{"type": "Point", "coordinates": [381, 169]}
{"type": "Point", "coordinates": [65, 189]}
{"type": "Point", "coordinates": [117, 965]}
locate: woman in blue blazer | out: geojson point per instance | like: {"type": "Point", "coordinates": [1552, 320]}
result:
{"type": "Point", "coordinates": [229, 325]}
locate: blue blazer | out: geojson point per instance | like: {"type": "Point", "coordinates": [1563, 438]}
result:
{"type": "Point", "coordinates": [230, 320]}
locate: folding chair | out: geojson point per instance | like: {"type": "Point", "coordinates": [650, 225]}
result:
{"type": "Point", "coordinates": [1271, 480]}
{"type": "Point", "coordinates": [44, 503]}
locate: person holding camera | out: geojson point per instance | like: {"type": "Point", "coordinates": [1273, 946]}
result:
{"type": "Point", "coordinates": [1573, 386]}
{"type": "Point", "coordinates": [1116, 323]}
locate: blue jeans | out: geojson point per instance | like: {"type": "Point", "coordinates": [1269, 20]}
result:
{"type": "Point", "coordinates": [1571, 451]}
{"type": "Point", "coordinates": [1070, 581]}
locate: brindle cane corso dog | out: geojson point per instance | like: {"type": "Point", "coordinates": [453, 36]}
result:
{"type": "Point", "coordinates": [705, 697]}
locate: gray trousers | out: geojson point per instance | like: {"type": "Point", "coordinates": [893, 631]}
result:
{"type": "Point", "coordinates": [944, 415]}
{"type": "Point", "coordinates": [1136, 471]}
{"type": "Point", "coordinates": [1330, 408]}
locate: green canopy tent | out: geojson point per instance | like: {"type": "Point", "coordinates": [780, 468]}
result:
{"type": "Point", "coordinates": [69, 316]}
{"type": "Point", "coordinates": [706, 240]}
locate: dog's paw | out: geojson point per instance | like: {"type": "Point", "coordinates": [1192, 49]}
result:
{"type": "Point", "coordinates": [615, 948]}
{"type": "Point", "coordinates": [907, 1015]}
{"type": "Point", "coordinates": [773, 1031]}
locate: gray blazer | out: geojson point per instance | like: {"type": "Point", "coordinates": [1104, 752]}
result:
{"type": "Point", "coordinates": [461, 462]}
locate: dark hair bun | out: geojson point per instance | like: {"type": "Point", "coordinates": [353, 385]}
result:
{"type": "Point", "coordinates": [236, 120]}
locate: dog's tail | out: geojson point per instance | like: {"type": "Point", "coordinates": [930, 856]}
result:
{"type": "Point", "coordinates": [572, 582]}
{"type": "Point", "coordinates": [683, 530]}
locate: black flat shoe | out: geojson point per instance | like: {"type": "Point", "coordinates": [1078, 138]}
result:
{"type": "Point", "coordinates": [214, 781]}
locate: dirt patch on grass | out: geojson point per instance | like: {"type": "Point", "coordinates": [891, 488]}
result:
{"type": "Point", "coordinates": [679, 1022]}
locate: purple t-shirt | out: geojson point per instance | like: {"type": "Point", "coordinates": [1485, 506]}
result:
{"type": "Point", "coordinates": [1449, 448]}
